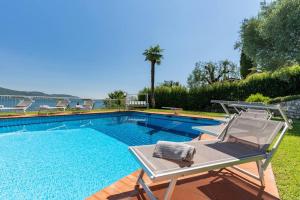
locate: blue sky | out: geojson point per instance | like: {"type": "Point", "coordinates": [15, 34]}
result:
{"type": "Point", "coordinates": [90, 48]}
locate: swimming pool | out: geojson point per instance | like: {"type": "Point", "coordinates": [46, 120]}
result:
{"type": "Point", "coordinates": [72, 157]}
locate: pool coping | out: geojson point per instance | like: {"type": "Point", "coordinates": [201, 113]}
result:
{"type": "Point", "coordinates": [193, 116]}
{"type": "Point", "coordinates": [56, 114]}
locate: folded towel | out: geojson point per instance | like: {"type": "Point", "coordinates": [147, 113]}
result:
{"type": "Point", "coordinates": [44, 106]}
{"type": "Point", "coordinates": [174, 151]}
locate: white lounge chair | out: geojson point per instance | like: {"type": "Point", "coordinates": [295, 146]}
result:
{"type": "Point", "coordinates": [245, 140]}
{"type": "Point", "coordinates": [88, 104]}
{"type": "Point", "coordinates": [175, 109]}
{"type": "Point", "coordinates": [245, 108]}
{"type": "Point", "coordinates": [60, 105]}
{"type": "Point", "coordinates": [23, 105]}
{"type": "Point", "coordinates": [136, 104]}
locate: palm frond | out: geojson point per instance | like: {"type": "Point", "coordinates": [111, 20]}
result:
{"type": "Point", "coordinates": [154, 54]}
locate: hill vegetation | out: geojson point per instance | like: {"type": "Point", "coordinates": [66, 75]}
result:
{"type": "Point", "coordinates": [5, 91]}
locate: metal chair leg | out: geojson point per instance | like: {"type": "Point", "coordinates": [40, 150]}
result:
{"type": "Point", "coordinates": [259, 164]}
{"type": "Point", "coordinates": [170, 189]}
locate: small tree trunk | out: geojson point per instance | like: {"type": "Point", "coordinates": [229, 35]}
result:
{"type": "Point", "coordinates": [152, 84]}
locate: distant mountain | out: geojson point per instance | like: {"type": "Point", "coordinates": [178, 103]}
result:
{"type": "Point", "coordinates": [5, 91]}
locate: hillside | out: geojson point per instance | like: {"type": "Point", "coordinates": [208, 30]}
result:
{"type": "Point", "coordinates": [5, 91]}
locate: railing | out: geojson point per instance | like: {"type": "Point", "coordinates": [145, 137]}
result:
{"type": "Point", "coordinates": [12, 100]}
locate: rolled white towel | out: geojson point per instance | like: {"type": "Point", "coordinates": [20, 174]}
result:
{"type": "Point", "coordinates": [174, 151]}
{"type": "Point", "coordinates": [44, 106]}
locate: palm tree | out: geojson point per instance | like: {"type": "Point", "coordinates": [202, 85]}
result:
{"type": "Point", "coordinates": [154, 56]}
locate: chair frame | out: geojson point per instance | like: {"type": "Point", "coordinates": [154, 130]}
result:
{"type": "Point", "coordinates": [245, 105]}
{"type": "Point", "coordinates": [262, 162]}
{"type": "Point", "coordinates": [18, 108]}
{"type": "Point", "coordinates": [55, 107]}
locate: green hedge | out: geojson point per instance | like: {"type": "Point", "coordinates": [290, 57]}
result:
{"type": "Point", "coordinates": [175, 96]}
{"type": "Point", "coordinates": [282, 82]}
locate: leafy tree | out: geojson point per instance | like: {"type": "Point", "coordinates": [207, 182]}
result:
{"type": "Point", "coordinates": [271, 39]}
{"type": "Point", "coordinates": [115, 99]}
{"type": "Point", "coordinates": [117, 94]}
{"type": "Point", "coordinates": [211, 72]}
{"type": "Point", "coordinates": [170, 83]}
{"type": "Point", "coordinates": [246, 65]}
{"type": "Point", "coordinates": [154, 56]}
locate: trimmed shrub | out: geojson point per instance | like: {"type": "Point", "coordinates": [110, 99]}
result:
{"type": "Point", "coordinates": [166, 96]}
{"type": "Point", "coordinates": [175, 96]}
{"type": "Point", "coordinates": [282, 82]}
{"type": "Point", "coordinates": [258, 98]}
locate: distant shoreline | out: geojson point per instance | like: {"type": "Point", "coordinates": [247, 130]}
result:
{"type": "Point", "coordinates": [6, 91]}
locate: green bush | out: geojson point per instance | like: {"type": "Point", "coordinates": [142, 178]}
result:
{"type": "Point", "coordinates": [258, 98]}
{"type": "Point", "coordinates": [282, 82]}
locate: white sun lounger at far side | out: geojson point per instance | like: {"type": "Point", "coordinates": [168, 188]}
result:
{"type": "Point", "coordinates": [23, 105]}
{"type": "Point", "coordinates": [88, 104]}
{"type": "Point", "coordinates": [60, 105]}
{"type": "Point", "coordinates": [175, 109]}
{"type": "Point", "coordinates": [136, 104]}
{"type": "Point", "coordinates": [257, 110]}
{"type": "Point", "coordinates": [245, 140]}
{"type": "Point", "coordinates": [256, 113]}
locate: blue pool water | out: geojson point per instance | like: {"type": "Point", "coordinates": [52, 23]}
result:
{"type": "Point", "coordinates": [72, 157]}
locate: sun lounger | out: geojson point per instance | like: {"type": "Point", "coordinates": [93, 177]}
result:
{"type": "Point", "coordinates": [23, 105]}
{"type": "Point", "coordinates": [88, 104]}
{"type": "Point", "coordinates": [244, 108]}
{"type": "Point", "coordinates": [245, 140]}
{"type": "Point", "coordinates": [136, 104]}
{"type": "Point", "coordinates": [60, 105]}
{"type": "Point", "coordinates": [216, 130]}
{"type": "Point", "coordinates": [172, 108]}
{"type": "Point", "coordinates": [262, 112]}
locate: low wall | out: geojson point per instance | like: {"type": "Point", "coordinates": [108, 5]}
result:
{"type": "Point", "coordinates": [292, 108]}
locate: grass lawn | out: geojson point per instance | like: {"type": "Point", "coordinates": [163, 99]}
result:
{"type": "Point", "coordinates": [209, 114]}
{"type": "Point", "coordinates": [286, 164]}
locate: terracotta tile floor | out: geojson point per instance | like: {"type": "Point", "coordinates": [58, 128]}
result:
{"type": "Point", "coordinates": [225, 185]}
